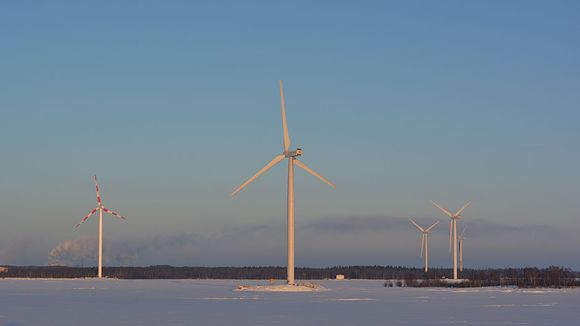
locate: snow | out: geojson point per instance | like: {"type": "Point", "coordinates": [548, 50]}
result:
{"type": "Point", "coordinates": [90, 302]}
{"type": "Point", "coordinates": [300, 287]}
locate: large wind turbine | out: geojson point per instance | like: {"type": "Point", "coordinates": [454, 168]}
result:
{"type": "Point", "coordinates": [460, 237]}
{"type": "Point", "coordinates": [425, 241]}
{"type": "Point", "coordinates": [100, 207]}
{"type": "Point", "coordinates": [292, 156]}
{"type": "Point", "coordinates": [453, 231]}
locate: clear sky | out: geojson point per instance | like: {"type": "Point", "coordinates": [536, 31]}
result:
{"type": "Point", "coordinates": [173, 104]}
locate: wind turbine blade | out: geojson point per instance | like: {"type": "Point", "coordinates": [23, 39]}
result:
{"type": "Point", "coordinates": [309, 170]}
{"type": "Point", "coordinates": [287, 141]}
{"type": "Point", "coordinates": [462, 208]}
{"type": "Point", "coordinates": [422, 243]}
{"type": "Point", "coordinates": [275, 161]}
{"type": "Point", "coordinates": [113, 213]}
{"type": "Point", "coordinates": [432, 226]}
{"type": "Point", "coordinates": [462, 232]}
{"type": "Point", "coordinates": [417, 225]}
{"type": "Point", "coordinates": [446, 211]}
{"type": "Point", "coordinates": [86, 217]}
{"type": "Point", "coordinates": [97, 187]}
{"type": "Point", "coordinates": [450, 234]}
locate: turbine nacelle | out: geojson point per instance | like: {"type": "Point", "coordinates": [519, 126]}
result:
{"type": "Point", "coordinates": [296, 153]}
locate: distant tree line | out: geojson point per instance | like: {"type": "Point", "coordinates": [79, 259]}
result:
{"type": "Point", "coordinates": [522, 277]}
{"type": "Point", "coordinates": [529, 277]}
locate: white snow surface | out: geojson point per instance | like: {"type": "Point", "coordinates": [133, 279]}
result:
{"type": "Point", "coordinates": [300, 287]}
{"type": "Point", "coordinates": [90, 302]}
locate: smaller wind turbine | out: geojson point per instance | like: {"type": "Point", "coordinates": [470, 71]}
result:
{"type": "Point", "coordinates": [425, 241]}
{"type": "Point", "coordinates": [100, 207]}
{"type": "Point", "coordinates": [460, 237]}
{"type": "Point", "coordinates": [453, 231]}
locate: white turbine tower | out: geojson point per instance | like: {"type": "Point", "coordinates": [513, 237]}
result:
{"type": "Point", "coordinates": [461, 237]}
{"type": "Point", "coordinates": [100, 207]}
{"type": "Point", "coordinates": [453, 231]}
{"type": "Point", "coordinates": [425, 241]}
{"type": "Point", "coordinates": [292, 156]}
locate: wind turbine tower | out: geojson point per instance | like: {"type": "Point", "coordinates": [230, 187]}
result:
{"type": "Point", "coordinates": [101, 208]}
{"type": "Point", "coordinates": [292, 157]}
{"type": "Point", "coordinates": [424, 241]}
{"type": "Point", "coordinates": [453, 231]}
{"type": "Point", "coordinates": [461, 237]}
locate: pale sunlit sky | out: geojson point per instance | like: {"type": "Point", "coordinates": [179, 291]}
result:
{"type": "Point", "coordinates": [175, 103]}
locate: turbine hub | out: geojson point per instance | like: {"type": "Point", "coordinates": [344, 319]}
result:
{"type": "Point", "coordinates": [297, 152]}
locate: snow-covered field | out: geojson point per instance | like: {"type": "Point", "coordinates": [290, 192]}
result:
{"type": "Point", "coordinates": [214, 302]}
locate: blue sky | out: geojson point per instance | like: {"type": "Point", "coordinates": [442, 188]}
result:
{"type": "Point", "coordinates": [174, 104]}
